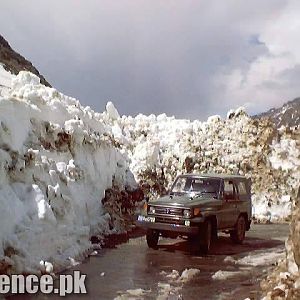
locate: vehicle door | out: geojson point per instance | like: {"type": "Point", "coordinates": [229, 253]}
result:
{"type": "Point", "coordinates": [229, 207]}
{"type": "Point", "coordinates": [244, 200]}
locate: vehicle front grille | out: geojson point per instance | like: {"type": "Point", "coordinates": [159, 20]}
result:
{"type": "Point", "coordinates": [170, 211]}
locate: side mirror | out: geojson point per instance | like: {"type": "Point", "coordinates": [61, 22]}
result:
{"type": "Point", "coordinates": [165, 193]}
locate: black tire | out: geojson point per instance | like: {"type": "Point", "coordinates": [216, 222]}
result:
{"type": "Point", "coordinates": [238, 235]}
{"type": "Point", "coordinates": [214, 232]}
{"type": "Point", "coordinates": [206, 236]}
{"type": "Point", "coordinates": [152, 237]}
{"type": "Point", "coordinates": [191, 239]}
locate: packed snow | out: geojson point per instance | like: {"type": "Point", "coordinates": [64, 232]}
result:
{"type": "Point", "coordinates": [59, 160]}
{"type": "Point", "coordinates": [224, 275]}
{"type": "Point", "coordinates": [176, 281]}
{"type": "Point", "coordinates": [185, 276]}
{"type": "Point", "coordinates": [254, 259]}
{"type": "Point", "coordinates": [262, 258]}
{"type": "Point", "coordinates": [5, 77]}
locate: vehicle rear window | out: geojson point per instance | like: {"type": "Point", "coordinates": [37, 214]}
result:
{"type": "Point", "coordinates": [228, 187]}
{"type": "Point", "coordinates": [242, 188]}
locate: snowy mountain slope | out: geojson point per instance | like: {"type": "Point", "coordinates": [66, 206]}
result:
{"type": "Point", "coordinates": [288, 115]}
{"type": "Point", "coordinates": [14, 62]}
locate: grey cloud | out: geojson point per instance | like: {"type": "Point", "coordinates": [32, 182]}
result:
{"type": "Point", "coordinates": [145, 56]}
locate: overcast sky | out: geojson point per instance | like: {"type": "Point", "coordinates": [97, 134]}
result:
{"type": "Point", "coordinates": [186, 58]}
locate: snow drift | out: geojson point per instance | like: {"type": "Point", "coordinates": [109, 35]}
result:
{"type": "Point", "coordinates": [57, 160]}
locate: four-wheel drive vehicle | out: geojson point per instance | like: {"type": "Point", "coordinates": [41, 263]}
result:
{"type": "Point", "coordinates": [197, 207]}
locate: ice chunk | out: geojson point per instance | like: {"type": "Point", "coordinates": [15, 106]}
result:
{"type": "Point", "coordinates": [112, 111]}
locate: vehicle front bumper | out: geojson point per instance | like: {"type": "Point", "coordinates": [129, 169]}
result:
{"type": "Point", "coordinates": [168, 227]}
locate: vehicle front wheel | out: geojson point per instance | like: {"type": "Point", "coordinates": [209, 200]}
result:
{"type": "Point", "coordinates": [206, 236]}
{"type": "Point", "coordinates": [238, 235]}
{"type": "Point", "coordinates": [152, 237]}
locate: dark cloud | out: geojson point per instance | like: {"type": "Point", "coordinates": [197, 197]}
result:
{"type": "Point", "coordinates": [145, 56]}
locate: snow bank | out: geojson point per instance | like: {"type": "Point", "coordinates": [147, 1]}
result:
{"type": "Point", "coordinates": [57, 160]}
{"type": "Point", "coordinates": [261, 259]}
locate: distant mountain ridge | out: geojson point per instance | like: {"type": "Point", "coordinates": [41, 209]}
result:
{"type": "Point", "coordinates": [287, 115]}
{"type": "Point", "coordinates": [14, 62]}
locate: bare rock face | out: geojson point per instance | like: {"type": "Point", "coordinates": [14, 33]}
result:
{"type": "Point", "coordinates": [295, 231]}
{"type": "Point", "coordinates": [14, 62]}
{"type": "Point", "coordinates": [288, 115]}
{"type": "Point", "coordinates": [121, 204]}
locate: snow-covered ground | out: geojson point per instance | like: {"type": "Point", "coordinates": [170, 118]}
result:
{"type": "Point", "coordinates": [58, 158]}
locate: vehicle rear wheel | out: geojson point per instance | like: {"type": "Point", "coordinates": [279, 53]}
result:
{"type": "Point", "coordinates": [152, 237]}
{"type": "Point", "coordinates": [206, 233]}
{"type": "Point", "coordinates": [214, 236]}
{"type": "Point", "coordinates": [238, 235]}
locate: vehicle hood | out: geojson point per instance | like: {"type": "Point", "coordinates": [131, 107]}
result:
{"type": "Point", "coordinates": [185, 201]}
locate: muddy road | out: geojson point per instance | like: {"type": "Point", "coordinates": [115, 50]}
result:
{"type": "Point", "coordinates": [132, 271]}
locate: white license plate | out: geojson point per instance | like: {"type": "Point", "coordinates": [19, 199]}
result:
{"type": "Point", "coordinates": [187, 223]}
{"type": "Point", "coordinates": [146, 219]}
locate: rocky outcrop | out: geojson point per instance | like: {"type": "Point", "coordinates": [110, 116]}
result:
{"type": "Point", "coordinates": [14, 62]}
{"type": "Point", "coordinates": [288, 115]}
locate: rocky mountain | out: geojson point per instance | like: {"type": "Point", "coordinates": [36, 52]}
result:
{"type": "Point", "coordinates": [287, 115]}
{"type": "Point", "coordinates": [14, 62]}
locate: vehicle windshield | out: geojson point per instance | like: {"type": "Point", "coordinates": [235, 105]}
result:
{"type": "Point", "coordinates": [200, 187]}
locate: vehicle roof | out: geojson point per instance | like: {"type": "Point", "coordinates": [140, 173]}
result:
{"type": "Point", "coordinates": [212, 175]}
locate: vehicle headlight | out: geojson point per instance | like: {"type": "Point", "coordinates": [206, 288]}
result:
{"type": "Point", "coordinates": [197, 211]}
{"type": "Point", "coordinates": [151, 210]}
{"type": "Point", "coordinates": [187, 213]}
{"type": "Point", "coordinates": [145, 206]}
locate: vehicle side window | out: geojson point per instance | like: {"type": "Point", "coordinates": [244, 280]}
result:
{"type": "Point", "coordinates": [242, 188]}
{"type": "Point", "coordinates": [229, 190]}
{"type": "Point", "coordinates": [180, 184]}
